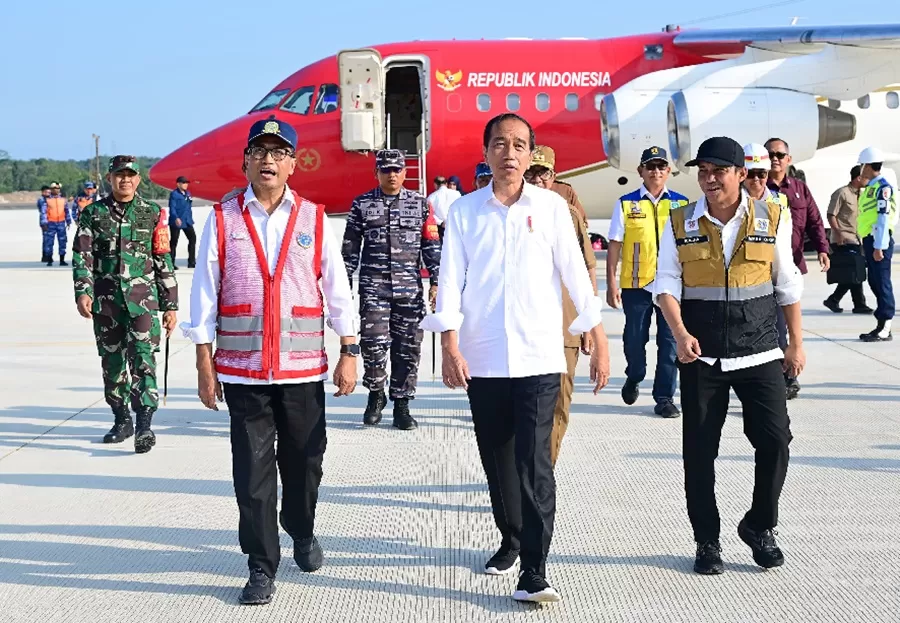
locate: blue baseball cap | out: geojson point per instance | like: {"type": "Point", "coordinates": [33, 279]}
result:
{"type": "Point", "coordinates": [482, 169]}
{"type": "Point", "coordinates": [654, 153]}
{"type": "Point", "coordinates": [89, 184]}
{"type": "Point", "coordinates": [273, 127]}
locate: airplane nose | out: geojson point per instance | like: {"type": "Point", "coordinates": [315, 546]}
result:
{"type": "Point", "coordinates": [188, 160]}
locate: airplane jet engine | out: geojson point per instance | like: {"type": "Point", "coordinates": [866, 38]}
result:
{"type": "Point", "coordinates": [630, 122]}
{"type": "Point", "coordinates": [753, 115]}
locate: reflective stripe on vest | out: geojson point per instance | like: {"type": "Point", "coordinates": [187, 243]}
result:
{"type": "Point", "coordinates": [644, 225]}
{"type": "Point", "coordinates": [56, 209]}
{"type": "Point", "coordinates": [869, 198]}
{"type": "Point", "coordinates": [705, 293]}
{"type": "Point", "coordinates": [289, 343]}
{"type": "Point", "coordinates": [249, 324]}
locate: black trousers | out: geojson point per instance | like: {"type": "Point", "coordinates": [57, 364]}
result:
{"type": "Point", "coordinates": [295, 415]}
{"type": "Point", "coordinates": [513, 420]}
{"type": "Point", "coordinates": [174, 233]}
{"type": "Point", "coordinates": [704, 403]}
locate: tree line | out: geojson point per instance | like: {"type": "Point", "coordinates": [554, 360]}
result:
{"type": "Point", "coordinates": [30, 175]}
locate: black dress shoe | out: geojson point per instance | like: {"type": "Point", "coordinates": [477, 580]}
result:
{"type": "Point", "coordinates": [709, 558]}
{"type": "Point", "coordinates": [832, 305]}
{"type": "Point", "coordinates": [630, 392]}
{"type": "Point", "coordinates": [865, 309]}
{"type": "Point", "coordinates": [402, 419]}
{"type": "Point", "coordinates": [377, 402]}
{"type": "Point", "coordinates": [258, 590]}
{"type": "Point", "coordinates": [308, 554]}
{"type": "Point", "coordinates": [765, 549]}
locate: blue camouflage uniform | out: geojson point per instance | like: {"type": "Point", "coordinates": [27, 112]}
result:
{"type": "Point", "coordinates": [54, 223]}
{"type": "Point", "coordinates": [394, 237]}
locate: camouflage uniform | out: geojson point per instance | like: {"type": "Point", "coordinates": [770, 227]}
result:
{"type": "Point", "coordinates": [115, 263]}
{"type": "Point", "coordinates": [397, 239]}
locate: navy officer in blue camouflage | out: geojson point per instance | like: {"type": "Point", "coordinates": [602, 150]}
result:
{"type": "Point", "coordinates": [393, 229]}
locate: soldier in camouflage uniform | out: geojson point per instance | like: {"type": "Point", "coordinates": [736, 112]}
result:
{"type": "Point", "coordinates": [399, 232]}
{"type": "Point", "coordinates": [123, 277]}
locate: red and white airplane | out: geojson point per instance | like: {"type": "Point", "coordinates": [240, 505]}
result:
{"type": "Point", "coordinates": [829, 91]}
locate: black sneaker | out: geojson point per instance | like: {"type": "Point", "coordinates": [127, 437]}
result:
{"type": "Point", "coordinates": [765, 549]}
{"type": "Point", "coordinates": [533, 587]}
{"type": "Point", "coordinates": [792, 388]}
{"type": "Point", "coordinates": [667, 409]}
{"type": "Point", "coordinates": [402, 419]}
{"type": "Point", "coordinates": [503, 562]}
{"type": "Point", "coordinates": [258, 590]}
{"type": "Point", "coordinates": [833, 306]}
{"type": "Point", "coordinates": [630, 392]}
{"type": "Point", "coordinates": [865, 309]}
{"type": "Point", "coordinates": [308, 554]}
{"type": "Point", "coordinates": [377, 402]}
{"type": "Point", "coordinates": [709, 558]}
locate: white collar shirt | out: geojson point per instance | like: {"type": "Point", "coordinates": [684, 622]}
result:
{"type": "Point", "coordinates": [500, 283]}
{"type": "Point", "coordinates": [786, 277]}
{"type": "Point", "coordinates": [342, 315]}
{"type": "Point", "coordinates": [440, 202]}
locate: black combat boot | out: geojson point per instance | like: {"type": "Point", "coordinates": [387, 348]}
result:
{"type": "Point", "coordinates": [122, 429]}
{"type": "Point", "coordinates": [144, 439]}
{"type": "Point", "coordinates": [377, 402]}
{"type": "Point", "coordinates": [62, 260]}
{"type": "Point", "coordinates": [402, 419]}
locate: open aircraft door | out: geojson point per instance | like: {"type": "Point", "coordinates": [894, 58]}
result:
{"type": "Point", "coordinates": [362, 93]}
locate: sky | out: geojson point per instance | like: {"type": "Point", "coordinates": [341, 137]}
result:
{"type": "Point", "coordinates": [150, 76]}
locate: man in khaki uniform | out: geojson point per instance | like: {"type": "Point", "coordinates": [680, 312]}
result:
{"type": "Point", "coordinates": [542, 173]}
{"type": "Point", "coordinates": [843, 210]}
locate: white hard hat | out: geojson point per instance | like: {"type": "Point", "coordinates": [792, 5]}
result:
{"type": "Point", "coordinates": [871, 155]}
{"type": "Point", "coordinates": [756, 156]}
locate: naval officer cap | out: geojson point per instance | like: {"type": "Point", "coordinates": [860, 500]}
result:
{"type": "Point", "coordinates": [273, 127]}
{"type": "Point", "coordinates": [720, 151]}
{"type": "Point", "coordinates": [390, 159]}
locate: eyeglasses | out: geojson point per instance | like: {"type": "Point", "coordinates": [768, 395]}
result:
{"type": "Point", "coordinates": [757, 173]}
{"type": "Point", "coordinates": [544, 175]}
{"type": "Point", "coordinates": [777, 155]}
{"type": "Point", "coordinates": [278, 153]}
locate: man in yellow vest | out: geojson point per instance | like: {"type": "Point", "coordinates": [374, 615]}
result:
{"type": "Point", "coordinates": [725, 263]}
{"type": "Point", "coordinates": [637, 222]}
{"type": "Point", "coordinates": [876, 222]}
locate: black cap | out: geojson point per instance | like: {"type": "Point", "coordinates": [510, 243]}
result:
{"type": "Point", "coordinates": [654, 153]}
{"type": "Point", "coordinates": [719, 150]}
{"type": "Point", "coordinates": [182, 180]}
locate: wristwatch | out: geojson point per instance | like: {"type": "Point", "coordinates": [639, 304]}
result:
{"type": "Point", "coordinates": [350, 349]}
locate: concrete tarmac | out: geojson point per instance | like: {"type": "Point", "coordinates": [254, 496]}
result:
{"type": "Point", "coordinates": [93, 532]}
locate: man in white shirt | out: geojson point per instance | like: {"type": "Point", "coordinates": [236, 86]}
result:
{"type": "Point", "coordinates": [725, 262]}
{"type": "Point", "coordinates": [499, 308]}
{"type": "Point", "coordinates": [256, 293]}
{"type": "Point", "coordinates": [440, 201]}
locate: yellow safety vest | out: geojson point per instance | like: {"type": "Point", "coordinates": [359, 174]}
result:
{"type": "Point", "coordinates": [644, 225]}
{"type": "Point", "coordinates": [730, 310]}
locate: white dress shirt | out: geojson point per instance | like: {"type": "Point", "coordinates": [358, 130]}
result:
{"type": "Point", "coordinates": [343, 316]}
{"type": "Point", "coordinates": [786, 277]}
{"type": "Point", "coordinates": [499, 284]}
{"type": "Point", "coordinates": [617, 222]}
{"type": "Point", "coordinates": [441, 200]}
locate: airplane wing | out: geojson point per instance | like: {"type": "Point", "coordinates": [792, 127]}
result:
{"type": "Point", "coordinates": [788, 40]}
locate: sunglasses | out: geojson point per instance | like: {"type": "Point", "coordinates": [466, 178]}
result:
{"type": "Point", "coordinates": [655, 166]}
{"type": "Point", "coordinates": [777, 155]}
{"type": "Point", "coordinates": [757, 173]}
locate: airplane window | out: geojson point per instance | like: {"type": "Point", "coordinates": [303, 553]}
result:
{"type": "Point", "coordinates": [571, 102]}
{"type": "Point", "coordinates": [327, 100]}
{"type": "Point", "coordinates": [484, 102]}
{"type": "Point", "coordinates": [893, 100]}
{"type": "Point", "coordinates": [300, 101]}
{"type": "Point", "coordinates": [542, 102]}
{"type": "Point", "coordinates": [598, 99]}
{"type": "Point", "coordinates": [863, 102]}
{"type": "Point", "coordinates": [270, 101]}
{"type": "Point", "coordinates": [512, 102]}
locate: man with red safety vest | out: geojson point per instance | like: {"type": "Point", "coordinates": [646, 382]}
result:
{"type": "Point", "coordinates": [55, 219]}
{"type": "Point", "coordinates": [256, 292]}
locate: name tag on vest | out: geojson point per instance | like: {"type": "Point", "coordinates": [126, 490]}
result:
{"type": "Point", "coordinates": [691, 240]}
{"type": "Point", "coordinates": [763, 239]}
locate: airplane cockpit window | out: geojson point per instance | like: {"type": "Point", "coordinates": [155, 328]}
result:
{"type": "Point", "coordinates": [328, 99]}
{"type": "Point", "coordinates": [653, 52]}
{"type": "Point", "coordinates": [300, 101]}
{"type": "Point", "coordinates": [270, 101]}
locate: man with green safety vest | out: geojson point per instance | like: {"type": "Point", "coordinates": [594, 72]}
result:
{"type": "Point", "coordinates": [876, 222]}
{"type": "Point", "coordinates": [638, 221]}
